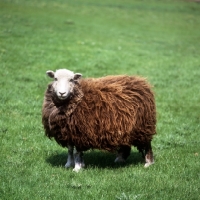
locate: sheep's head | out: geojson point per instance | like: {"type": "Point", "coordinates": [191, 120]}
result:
{"type": "Point", "coordinates": [64, 81]}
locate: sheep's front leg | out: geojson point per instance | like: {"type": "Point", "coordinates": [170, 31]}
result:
{"type": "Point", "coordinates": [79, 162]}
{"type": "Point", "coordinates": [70, 157]}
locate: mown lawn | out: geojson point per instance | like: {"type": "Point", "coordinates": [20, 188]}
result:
{"type": "Point", "coordinates": [156, 39]}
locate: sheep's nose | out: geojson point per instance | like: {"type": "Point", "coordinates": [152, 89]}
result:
{"type": "Point", "coordinates": [62, 93]}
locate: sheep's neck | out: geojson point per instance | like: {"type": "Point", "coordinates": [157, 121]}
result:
{"type": "Point", "coordinates": [70, 104]}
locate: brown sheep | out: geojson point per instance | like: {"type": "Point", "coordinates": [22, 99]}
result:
{"type": "Point", "coordinates": [110, 113]}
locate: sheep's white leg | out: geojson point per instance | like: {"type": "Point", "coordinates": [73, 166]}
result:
{"type": "Point", "coordinates": [79, 162]}
{"type": "Point", "coordinates": [123, 153]}
{"type": "Point", "coordinates": [70, 157]}
{"type": "Point", "coordinates": [149, 160]}
{"type": "Point", "coordinates": [119, 158]}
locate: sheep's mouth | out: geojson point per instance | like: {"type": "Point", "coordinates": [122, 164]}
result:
{"type": "Point", "coordinates": [63, 97]}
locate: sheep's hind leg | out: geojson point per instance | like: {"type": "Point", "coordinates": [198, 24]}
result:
{"type": "Point", "coordinates": [70, 157]}
{"type": "Point", "coordinates": [149, 160]}
{"type": "Point", "coordinates": [123, 153]}
{"type": "Point", "coordinates": [79, 162]}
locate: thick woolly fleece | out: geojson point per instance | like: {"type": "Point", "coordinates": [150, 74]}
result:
{"type": "Point", "coordinates": [104, 113]}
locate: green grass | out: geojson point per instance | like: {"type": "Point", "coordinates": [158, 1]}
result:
{"type": "Point", "coordinates": [159, 40]}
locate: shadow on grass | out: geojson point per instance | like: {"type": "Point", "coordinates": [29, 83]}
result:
{"type": "Point", "coordinates": [95, 158]}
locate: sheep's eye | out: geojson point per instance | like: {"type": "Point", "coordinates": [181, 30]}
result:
{"type": "Point", "coordinates": [71, 80]}
{"type": "Point", "coordinates": [55, 79]}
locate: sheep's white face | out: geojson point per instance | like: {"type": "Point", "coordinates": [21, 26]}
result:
{"type": "Point", "coordinates": [64, 81]}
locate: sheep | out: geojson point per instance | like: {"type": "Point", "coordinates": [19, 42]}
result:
{"type": "Point", "coordinates": [109, 113]}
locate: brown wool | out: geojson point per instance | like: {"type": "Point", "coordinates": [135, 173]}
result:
{"type": "Point", "coordinates": [103, 113]}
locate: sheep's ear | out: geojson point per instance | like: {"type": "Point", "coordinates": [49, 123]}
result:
{"type": "Point", "coordinates": [77, 76]}
{"type": "Point", "coordinates": [50, 73]}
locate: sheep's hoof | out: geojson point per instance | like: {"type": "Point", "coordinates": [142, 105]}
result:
{"type": "Point", "coordinates": [148, 164]}
{"type": "Point", "coordinates": [78, 167]}
{"type": "Point", "coordinates": [69, 164]}
{"type": "Point", "coordinates": [119, 159]}
{"type": "Point", "coordinates": [76, 170]}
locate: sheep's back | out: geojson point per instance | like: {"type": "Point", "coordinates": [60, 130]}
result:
{"type": "Point", "coordinates": [114, 110]}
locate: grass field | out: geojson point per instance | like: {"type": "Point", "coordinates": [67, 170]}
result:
{"type": "Point", "coordinates": [156, 39]}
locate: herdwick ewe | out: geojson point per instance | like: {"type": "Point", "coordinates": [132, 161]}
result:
{"type": "Point", "coordinates": [110, 113]}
